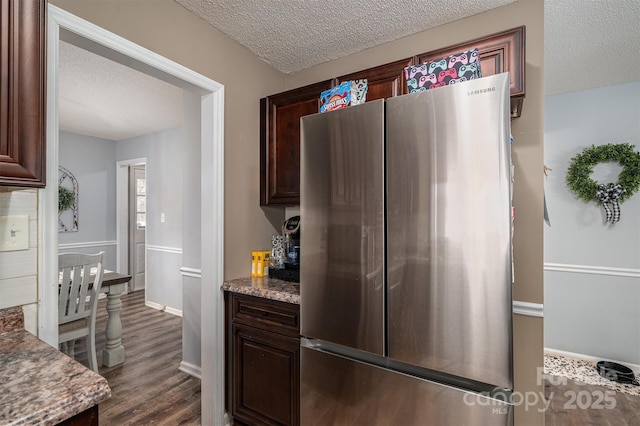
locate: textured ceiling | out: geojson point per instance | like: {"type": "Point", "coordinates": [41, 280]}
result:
{"type": "Point", "coordinates": [293, 35]}
{"type": "Point", "coordinates": [588, 44]}
{"type": "Point", "coordinates": [101, 98]}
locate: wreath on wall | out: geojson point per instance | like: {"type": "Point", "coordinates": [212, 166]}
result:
{"type": "Point", "coordinates": [611, 195]}
{"type": "Point", "coordinates": [67, 201]}
{"type": "Point", "coordinates": [66, 198]}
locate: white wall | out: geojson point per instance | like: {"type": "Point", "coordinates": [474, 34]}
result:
{"type": "Point", "coordinates": [191, 279]}
{"type": "Point", "coordinates": [92, 162]}
{"type": "Point", "coordinates": [592, 312]}
{"type": "Point", "coordinates": [164, 153]}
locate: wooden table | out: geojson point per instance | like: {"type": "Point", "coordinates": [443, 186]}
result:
{"type": "Point", "coordinates": [113, 284]}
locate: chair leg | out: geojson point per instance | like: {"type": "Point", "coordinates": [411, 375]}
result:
{"type": "Point", "coordinates": [91, 352]}
{"type": "Point", "coordinates": [71, 348]}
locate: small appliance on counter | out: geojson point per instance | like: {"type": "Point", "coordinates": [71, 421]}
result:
{"type": "Point", "coordinates": [289, 267]}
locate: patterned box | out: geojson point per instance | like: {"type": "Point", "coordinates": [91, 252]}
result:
{"type": "Point", "coordinates": [450, 70]}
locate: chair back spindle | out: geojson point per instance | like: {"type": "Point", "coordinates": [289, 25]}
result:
{"type": "Point", "coordinates": [80, 278]}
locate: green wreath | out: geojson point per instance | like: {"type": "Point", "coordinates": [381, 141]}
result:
{"type": "Point", "coordinates": [581, 167]}
{"type": "Point", "coordinates": [66, 198]}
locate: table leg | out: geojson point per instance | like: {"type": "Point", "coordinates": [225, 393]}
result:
{"type": "Point", "coordinates": [113, 354]}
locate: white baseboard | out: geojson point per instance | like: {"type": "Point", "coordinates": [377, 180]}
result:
{"type": "Point", "coordinates": [227, 419]}
{"type": "Point", "coordinates": [191, 369]}
{"type": "Point", "coordinates": [550, 351]}
{"type": "Point", "coordinates": [164, 308]}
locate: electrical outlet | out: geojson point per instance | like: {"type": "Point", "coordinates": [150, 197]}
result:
{"type": "Point", "coordinates": [161, 217]}
{"type": "Point", "coordinates": [14, 233]}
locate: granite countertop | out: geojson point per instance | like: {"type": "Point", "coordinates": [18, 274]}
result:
{"type": "Point", "coordinates": [265, 287]}
{"type": "Point", "coordinates": [40, 385]}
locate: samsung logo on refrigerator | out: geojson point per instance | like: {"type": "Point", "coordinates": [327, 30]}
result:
{"type": "Point", "coordinates": [479, 91]}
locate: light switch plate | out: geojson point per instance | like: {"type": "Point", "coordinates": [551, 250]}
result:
{"type": "Point", "coordinates": [14, 233]}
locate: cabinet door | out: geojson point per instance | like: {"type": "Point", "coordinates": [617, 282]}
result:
{"type": "Point", "coordinates": [22, 92]}
{"type": "Point", "coordinates": [280, 142]}
{"type": "Point", "coordinates": [266, 376]}
{"type": "Point", "coordinates": [500, 52]}
{"type": "Point", "coordinates": [384, 81]}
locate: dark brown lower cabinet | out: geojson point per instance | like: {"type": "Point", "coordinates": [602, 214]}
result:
{"type": "Point", "coordinates": [264, 366]}
{"type": "Point", "coordinates": [88, 417]}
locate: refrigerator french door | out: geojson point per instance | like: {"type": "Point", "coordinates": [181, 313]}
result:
{"type": "Point", "coordinates": [406, 260]}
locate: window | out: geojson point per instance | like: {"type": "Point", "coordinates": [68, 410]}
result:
{"type": "Point", "coordinates": [141, 203]}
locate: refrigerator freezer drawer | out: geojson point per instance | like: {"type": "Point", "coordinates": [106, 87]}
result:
{"type": "Point", "coordinates": [339, 391]}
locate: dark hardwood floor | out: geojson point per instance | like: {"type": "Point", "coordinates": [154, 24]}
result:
{"type": "Point", "coordinates": [148, 389]}
{"type": "Point", "coordinates": [578, 404]}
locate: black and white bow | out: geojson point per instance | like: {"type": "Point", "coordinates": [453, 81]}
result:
{"type": "Point", "coordinates": [609, 194]}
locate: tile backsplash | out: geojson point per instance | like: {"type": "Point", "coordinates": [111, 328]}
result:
{"type": "Point", "coordinates": [19, 269]}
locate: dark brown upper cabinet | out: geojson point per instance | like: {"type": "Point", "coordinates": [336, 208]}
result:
{"type": "Point", "coordinates": [280, 114]}
{"type": "Point", "coordinates": [22, 92]}
{"type": "Point", "coordinates": [280, 142]}
{"type": "Point", "coordinates": [384, 81]}
{"type": "Point", "coordinates": [500, 52]}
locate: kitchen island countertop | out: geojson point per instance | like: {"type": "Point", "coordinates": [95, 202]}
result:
{"type": "Point", "coordinates": [265, 287]}
{"type": "Point", "coordinates": [40, 385]}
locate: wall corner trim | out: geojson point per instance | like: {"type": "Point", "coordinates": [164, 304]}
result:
{"type": "Point", "coordinates": [528, 309]}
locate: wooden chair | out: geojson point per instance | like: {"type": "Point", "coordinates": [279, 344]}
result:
{"type": "Point", "coordinates": [80, 276]}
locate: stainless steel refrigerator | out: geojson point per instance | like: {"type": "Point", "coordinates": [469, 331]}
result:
{"type": "Point", "coordinates": [406, 274]}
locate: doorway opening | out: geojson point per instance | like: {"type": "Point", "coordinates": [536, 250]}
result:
{"type": "Point", "coordinates": [67, 27]}
{"type": "Point", "coordinates": [131, 223]}
{"type": "Point", "coordinates": [137, 215]}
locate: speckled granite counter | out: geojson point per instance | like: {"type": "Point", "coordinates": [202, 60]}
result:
{"type": "Point", "coordinates": [265, 287]}
{"type": "Point", "coordinates": [11, 319]}
{"type": "Point", "coordinates": [39, 385]}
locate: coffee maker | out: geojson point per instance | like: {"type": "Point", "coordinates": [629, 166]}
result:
{"type": "Point", "coordinates": [291, 245]}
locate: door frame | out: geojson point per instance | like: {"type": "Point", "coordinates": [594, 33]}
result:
{"type": "Point", "coordinates": [68, 27]}
{"type": "Point", "coordinates": [122, 211]}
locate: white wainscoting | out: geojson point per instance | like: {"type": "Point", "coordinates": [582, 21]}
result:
{"type": "Point", "coordinates": [528, 309]}
{"type": "Point", "coordinates": [164, 249]}
{"type": "Point", "coordinates": [85, 244]}
{"type": "Point", "coordinates": [109, 247]}
{"type": "Point", "coordinates": [191, 272]}
{"type": "Point", "coordinates": [191, 327]}
{"type": "Point", "coordinates": [164, 277]}
{"type": "Point", "coordinates": [592, 312]}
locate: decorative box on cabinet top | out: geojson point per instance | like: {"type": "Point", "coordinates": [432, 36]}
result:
{"type": "Point", "coordinates": [499, 52]}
